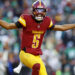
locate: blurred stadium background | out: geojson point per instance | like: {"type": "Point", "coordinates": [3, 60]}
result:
{"type": "Point", "coordinates": [58, 47]}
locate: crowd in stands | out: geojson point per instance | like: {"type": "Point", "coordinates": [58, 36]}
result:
{"type": "Point", "coordinates": [58, 47]}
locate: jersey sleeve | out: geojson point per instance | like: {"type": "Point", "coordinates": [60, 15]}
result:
{"type": "Point", "coordinates": [21, 22]}
{"type": "Point", "coordinates": [51, 25]}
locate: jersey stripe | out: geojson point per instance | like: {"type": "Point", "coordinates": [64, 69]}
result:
{"type": "Point", "coordinates": [22, 21]}
{"type": "Point", "coordinates": [51, 24]}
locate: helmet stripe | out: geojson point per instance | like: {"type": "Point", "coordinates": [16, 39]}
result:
{"type": "Point", "coordinates": [40, 2]}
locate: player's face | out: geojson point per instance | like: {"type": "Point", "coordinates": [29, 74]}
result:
{"type": "Point", "coordinates": [39, 13]}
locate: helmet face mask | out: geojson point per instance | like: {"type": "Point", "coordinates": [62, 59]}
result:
{"type": "Point", "coordinates": [39, 14]}
{"type": "Point", "coordinates": [39, 11]}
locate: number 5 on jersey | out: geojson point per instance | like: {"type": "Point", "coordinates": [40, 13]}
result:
{"type": "Point", "coordinates": [36, 40]}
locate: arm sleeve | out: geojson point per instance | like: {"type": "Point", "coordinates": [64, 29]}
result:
{"type": "Point", "coordinates": [21, 22]}
{"type": "Point", "coordinates": [51, 26]}
{"type": "Point", "coordinates": [18, 25]}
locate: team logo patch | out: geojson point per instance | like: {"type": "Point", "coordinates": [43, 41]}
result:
{"type": "Point", "coordinates": [38, 26]}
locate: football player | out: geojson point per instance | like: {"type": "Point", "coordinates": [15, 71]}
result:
{"type": "Point", "coordinates": [34, 27]}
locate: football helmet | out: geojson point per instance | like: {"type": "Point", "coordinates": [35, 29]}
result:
{"type": "Point", "coordinates": [38, 10]}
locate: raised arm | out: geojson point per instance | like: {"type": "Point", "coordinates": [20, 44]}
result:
{"type": "Point", "coordinates": [7, 25]}
{"type": "Point", "coordinates": [64, 27]}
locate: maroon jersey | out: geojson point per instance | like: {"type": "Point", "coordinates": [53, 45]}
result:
{"type": "Point", "coordinates": [33, 33]}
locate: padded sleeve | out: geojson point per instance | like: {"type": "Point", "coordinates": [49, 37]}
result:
{"type": "Point", "coordinates": [51, 25]}
{"type": "Point", "coordinates": [22, 20]}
